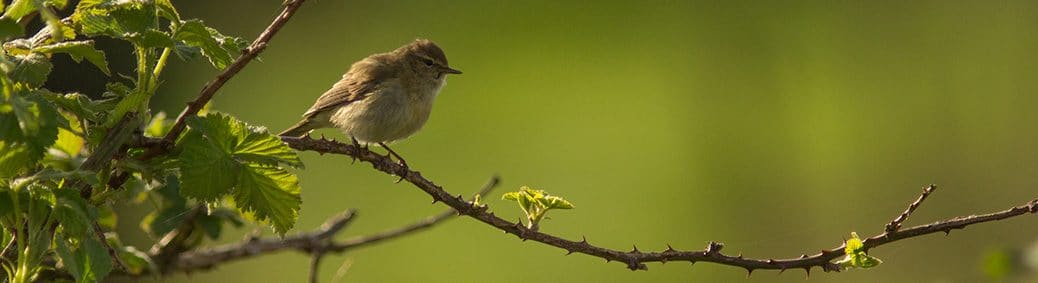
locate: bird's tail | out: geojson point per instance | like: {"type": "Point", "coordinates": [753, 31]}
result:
{"type": "Point", "coordinates": [299, 129]}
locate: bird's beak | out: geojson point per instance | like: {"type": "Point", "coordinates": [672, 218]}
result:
{"type": "Point", "coordinates": [449, 70]}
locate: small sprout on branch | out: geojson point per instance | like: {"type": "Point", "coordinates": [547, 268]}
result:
{"type": "Point", "coordinates": [856, 256]}
{"type": "Point", "coordinates": [536, 203]}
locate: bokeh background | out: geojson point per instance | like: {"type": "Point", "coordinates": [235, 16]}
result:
{"type": "Point", "coordinates": [776, 127]}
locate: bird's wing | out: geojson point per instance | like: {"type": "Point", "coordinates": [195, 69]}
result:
{"type": "Point", "coordinates": [362, 80]}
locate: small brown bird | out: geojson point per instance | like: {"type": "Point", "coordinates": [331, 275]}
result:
{"type": "Point", "coordinates": [383, 98]}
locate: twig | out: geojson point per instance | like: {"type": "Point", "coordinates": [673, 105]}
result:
{"type": "Point", "coordinates": [635, 259]}
{"type": "Point", "coordinates": [210, 89]}
{"type": "Point", "coordinates": [365, 240]}
{"type": "Point", "coordinates": [172, 243]}
{"type": "Point", "coordinates": [895, 224]}
{"type": "Point", "coordinates": [112, 253]}
{"type": "Point", "coordinates": [207, 258]}
{"type": "Point", "coordinates": [315, 263]}
{"type": "Point", "coordinates": [314, 243]}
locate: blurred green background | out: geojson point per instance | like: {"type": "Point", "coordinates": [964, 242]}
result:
{"type": "Point", "coordinates": [776, 127]}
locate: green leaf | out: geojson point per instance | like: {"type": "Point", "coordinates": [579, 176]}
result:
{"type": "Point", "coordinates": [536, 203]}
{"type": "Point", "coordinates": [14, 158]}
{"type": "Point", "coordinates": [856, 256]}
{"type": "Point", "coordinates": [78, 50]}
{"type": "Point", "coordinates": [207, 170]}
{"type": "Point", "coordinates": [511, 196]}
{"type": "Point", "coordinates": [26, 131]}
{"type": "Point", "coordinates": [84, 258]}
{"type": "Point", "coordinates": [59, 4]}
{"type": "Point", "coordinates": [107, 218]}
{"type": "Point", "coordinates": [166, 10]}
{"type": "Point", "coordinates": [68, 142]}
{"type": "Point", "coordinates": [222, 155]}
{"type": "Point", "coordinates": [554, 202]}
{"type": "Point", "coordinates": [6, 203]}
{"type": "Point", "coordinates": [259, 146]}
{"type": "Point", "coordinates": [187, 52]}
{"type": "Point", "coordinates": [136, 260]}
{"type": "Point", "coordinates": [117, 19]}
{"type": "Point", "coordinates": [213, 44]}
{"type": "Point", "coordinates": [10, 29]}
{"type": "Point", "coordinates": [269, 193]}
{"type": "Point", "coordinates": [244, 143]}
{"type": "Point", "coordinates": [31, 69]}
{"type": "Point", "coordinates": [158, 126]}
{"type": "Point", "coordinates": [72, 212]}
{"type": "Point", "coordinates": [151, 38]}
{"type": "Point", "coordinates": [19, 9]}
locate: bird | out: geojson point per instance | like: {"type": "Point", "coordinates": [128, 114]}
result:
{"type": "Point", "coordinates": [383, 98]}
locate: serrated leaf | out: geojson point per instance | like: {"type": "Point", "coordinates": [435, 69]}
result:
{"type": "Point", "coordinates": [78, 50]}
{"type": "Point", "coordinates": [68, 142]}
{"type": "Point", "coordinates": [855, 255]}
{"type": "Point", "coordinates": [25, 133]}
{"type": "Point", "coordinates": [59, 4]}
{"type": "Point", "coordinates": [151, 38]}
{"type": "Point", "coordinates": [19, 9]}
{"type": "Point", "coordinates": [10, 29]}
{"type": "Point", "coordinates": [31, 69]}
{"type": "Point", "coordinates": [166, 10]}
{"type": "Point", "coordinates": [220, 153]}
{"type": "Point", "coordinates": [72, 212]}
{"type": "Point", "coordinates": [206, 169]}
{"type": "Point", "coordinates": [84, 258]}
{"type": "Point", "coordinates": [195, 33]}
{"type": "Point", "coordinates": [76, 103]}
{"type": "Point", "coordinates": [187, 52]}
{"type": "Point", "coordinates": [243, 142]}
{"type": "Point", "coordinates": [511, 196]}
{"type": "Point", "coordinates": [555, 202]}
{"type": "Point", "coordinates": [18, 46]}
{"type": "Point", "coordinates": [117, 19]}
{"type": "Point", "coordinates": [14, 158]}
{"type": "Point", "coordinates": [269, 194]}
{"type": "Point", "coordinates": [260, 146]}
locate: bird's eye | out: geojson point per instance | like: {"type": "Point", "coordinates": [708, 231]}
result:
{"type": "Point", "coordinates": [427, 61]}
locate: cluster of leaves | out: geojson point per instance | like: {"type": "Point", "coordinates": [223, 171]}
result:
{"type": "Point", "coordinates": [58, 151]}
{"type": "Point", "coordinates": [536, 204]}
{"type": "Point", "coordinates": [855, 255]}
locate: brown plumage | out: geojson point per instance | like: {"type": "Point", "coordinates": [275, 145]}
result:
{"type": "Point", "coordinates": [382, 98]}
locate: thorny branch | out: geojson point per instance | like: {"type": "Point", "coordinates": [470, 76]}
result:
{"type": "Point", "coordinates": [636, 259]}
{"type": "Point", "coordinates": [895, 224]}
{"type": "Point", "coordinates": [317, 243]}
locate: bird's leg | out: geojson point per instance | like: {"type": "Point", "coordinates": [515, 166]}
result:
{"type": "Point", "coordinates": [356, 144]}
{"type": "Point", "coordinates": [393, 153]}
